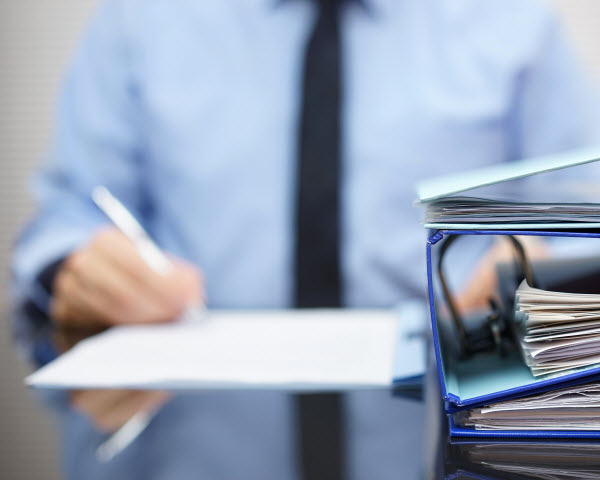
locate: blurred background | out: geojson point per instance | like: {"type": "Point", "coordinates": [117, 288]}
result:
{"type": "Point", "coordinates": [37, 39]}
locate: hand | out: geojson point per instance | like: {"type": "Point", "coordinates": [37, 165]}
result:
{"type": "Point", "coordinates": [109, 410]}
{"type": "Point", "coordinates": [107, 283]}
{"type": "Point", "coordinates": [483, 282]}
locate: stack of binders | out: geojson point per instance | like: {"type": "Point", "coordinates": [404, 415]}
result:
{"type": "Point", "coordinates": [548, 385]}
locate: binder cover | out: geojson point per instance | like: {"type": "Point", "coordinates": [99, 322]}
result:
{"type": "Point", "coordinates": [446, 185]}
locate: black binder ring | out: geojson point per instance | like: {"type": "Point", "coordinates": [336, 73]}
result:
{"type": "Point", "coordinates": [497, 325]}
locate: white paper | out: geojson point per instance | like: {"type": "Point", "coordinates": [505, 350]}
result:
{"type": "Point", "coordinates": [570, 408]}
{"type": "Point", "coordinates": [559, 331]}
{"type": "Point", "coordinates": [292, 350]}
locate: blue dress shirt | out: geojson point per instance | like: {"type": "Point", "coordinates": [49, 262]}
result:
{"type": "Point", "coordinates": [188, 111]}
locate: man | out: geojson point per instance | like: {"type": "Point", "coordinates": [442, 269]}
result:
{"type": "Point", "coordinates": [198, 116]}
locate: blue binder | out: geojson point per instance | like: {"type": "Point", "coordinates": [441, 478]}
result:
{"type": "Point", "coordinates": [489, 378]}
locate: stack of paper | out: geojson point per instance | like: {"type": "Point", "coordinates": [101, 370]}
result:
{"type": "Point", "coordinates": [558, 331]}
{"type": "Point", "coordinates": [469, 210]}
{"type": "Point", "coordinates": [567, 409]}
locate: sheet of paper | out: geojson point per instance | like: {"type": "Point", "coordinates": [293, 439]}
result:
{"type": "Point", "coordinates": [570, 408]}
{"type": "Point", "coordinates": [559, 331]}
{"type": "Point", "coordinates": [292, 350]}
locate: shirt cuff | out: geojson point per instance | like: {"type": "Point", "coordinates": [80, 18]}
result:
{"type": "Point", "coordinates": [32, 325]}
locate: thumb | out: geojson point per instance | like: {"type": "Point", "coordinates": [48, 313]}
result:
{"type": "Point", "coordinates": [190, 281]}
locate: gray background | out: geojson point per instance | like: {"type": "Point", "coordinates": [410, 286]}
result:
{"type": "Point", "coordinates": [36, 41]}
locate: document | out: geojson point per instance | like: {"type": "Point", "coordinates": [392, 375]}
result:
{"type": "Point", "coordinates": [558, 331]}
{"type": "Point", "coordinates": [302, 350]}
{"type": "Point", "coordinates": [474, 210]}
{"type": "Point", "coordinates": [570, 408]}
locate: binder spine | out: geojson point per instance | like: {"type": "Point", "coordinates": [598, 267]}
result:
{"type": "Point", "coordinates": [438, 359]}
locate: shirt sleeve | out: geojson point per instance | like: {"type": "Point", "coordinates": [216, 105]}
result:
{"type": "Point", "coordinates": [97, 142]}
{"type": "Point", "coordinates": [556, 104]}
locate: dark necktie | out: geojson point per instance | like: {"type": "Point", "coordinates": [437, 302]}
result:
{"type": "Point", "coordinates": [317, 270]}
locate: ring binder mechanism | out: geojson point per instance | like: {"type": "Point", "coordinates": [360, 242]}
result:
{"type": "Point", "coordinates": [496, 333]}
{"type": "Point", "coordinates": [480, 364]}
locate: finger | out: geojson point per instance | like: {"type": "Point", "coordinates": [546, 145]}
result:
{"type": "Point", "coordinates": [190, 281]}
{"type": "Point", "coordinates": [146, 401]}
{"type": "Point", "coordinates": [111, 409]}
{"type": "Point", "coordinates": [98, 405]}
{"type": "Point", "coordinates": [66, 338]}
{"type": "Point", "coordinates": [112, 253]}
{"type": "Point", "coordinates": [65, 315]}
{"type": "Point", "coordinates": [71, 306]}
{"type": "Point", "coordinates": [161, 289]}
{"type": "Point", "coordinates": [123, 299]}
{"type": "Point", "coordinates": [95, 402]}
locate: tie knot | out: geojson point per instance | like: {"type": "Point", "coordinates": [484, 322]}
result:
{"type": "Point", "coordinates": [329, 4]}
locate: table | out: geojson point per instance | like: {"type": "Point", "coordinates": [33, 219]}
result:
{"type": "Point", "coordinates": [424, 449]}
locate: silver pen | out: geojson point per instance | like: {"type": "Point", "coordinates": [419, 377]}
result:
{"type": "Point", "coordinates": [160, 263]}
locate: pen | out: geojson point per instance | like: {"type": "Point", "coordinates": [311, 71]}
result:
{"type": "Point", "coordinates": [126, 222]}
{"type": "Point", "coordinates": [124, 436]}
{"type": "Point", "coordinates": [148, 250]}
{"type": "Point", "coordinates": [159, 262]}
